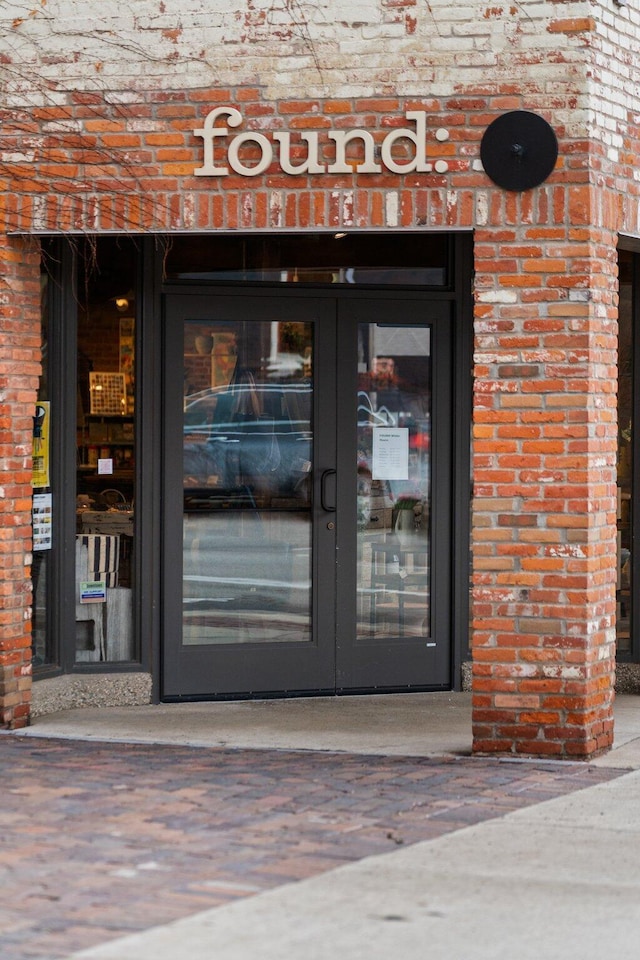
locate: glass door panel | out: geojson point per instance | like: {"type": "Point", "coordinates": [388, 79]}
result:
{"type": "Point", "coordinates": [394, 481]}
{"type": "Point", "coordinates": [247, 468]}
{"type": "Point", "coordinates": [247, 608]}
{"type": "Point", "coordinates": [394, 462]}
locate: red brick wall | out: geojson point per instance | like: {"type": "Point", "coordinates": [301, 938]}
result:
{"type": "Point", "coordinates": [19, 372]}
{"type": "Point", "coordinates": [94, 189]}
{"type": "Point", "coordinates": [545, 489]}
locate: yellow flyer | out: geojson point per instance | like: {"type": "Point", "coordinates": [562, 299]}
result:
{"type": "Point", "coordinates": [41, 423]}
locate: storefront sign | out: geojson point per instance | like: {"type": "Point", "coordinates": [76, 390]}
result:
{"type": "Point", "coordinates": [312, 164]}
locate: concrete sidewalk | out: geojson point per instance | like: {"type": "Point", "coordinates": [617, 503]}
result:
{"type": "Point", "coordinates": [414, 724]}
{"type": "Point", "coordinates": [554, 880]}
{"type": "Point", "coordinates": [418, 724]}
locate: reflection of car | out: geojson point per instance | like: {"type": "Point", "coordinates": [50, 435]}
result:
{"type": "Point", "coordinates": [249, 438]}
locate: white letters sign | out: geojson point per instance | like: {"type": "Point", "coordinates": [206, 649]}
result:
{"type": "Point", "coordinates": [418, 163]}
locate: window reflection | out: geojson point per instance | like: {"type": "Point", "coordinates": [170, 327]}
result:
{"type": "Point", "coordinates": [394, 478]}
{"type": "Point", "coordinates": [247, 482]}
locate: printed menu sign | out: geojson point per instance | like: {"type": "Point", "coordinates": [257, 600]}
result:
{"type": "Point", "coordinates": [390, 453]}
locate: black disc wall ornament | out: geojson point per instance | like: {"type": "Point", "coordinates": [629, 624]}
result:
{"type": "Point", "coordinates": [519, 150]}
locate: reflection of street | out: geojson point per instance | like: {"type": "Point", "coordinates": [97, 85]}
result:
{"type": "Point", "coordinates": [219, 627]}
{"type": "Point", "coordinates": [246, 577]}
{"type": "Point", "coordinates": [394, 488]}
{"type": "Point", "coordinates": [393, 587]}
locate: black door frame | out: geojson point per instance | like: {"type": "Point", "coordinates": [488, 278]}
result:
{"type": "Point", "coordinates": [264, 665]}
{"type": "Point", "coordinates": [631, 249]}
{"type": "Point", "coordinates": [455, 569]}
{"type": "Point", "coordinates": [359, 665]}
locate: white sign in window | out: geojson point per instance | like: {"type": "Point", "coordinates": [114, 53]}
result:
{"type": "Point", "coordinates": [390, 453]}
{"type": "Point", "coordinates": [42, 514]}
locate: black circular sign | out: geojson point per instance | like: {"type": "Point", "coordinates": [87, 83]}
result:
{"type": "Point", "coordinates": [519, 150]}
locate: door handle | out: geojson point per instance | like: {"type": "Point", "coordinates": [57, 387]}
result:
{"type": "Point", "coordinates": [323, 491]}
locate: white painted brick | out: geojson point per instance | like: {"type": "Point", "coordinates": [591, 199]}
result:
{"type": "Point", "coordinates": [392, 208]}
{"type": "Point", "coordinates": [362, 48]}
{"type": "Point", "coordinates": [385, 30]}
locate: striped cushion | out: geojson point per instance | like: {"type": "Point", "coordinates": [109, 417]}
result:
{"type": "Point", "coordinates": [103, 556]}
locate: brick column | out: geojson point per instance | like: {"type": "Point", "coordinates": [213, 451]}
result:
{"type": "Point", "coordinates": [544, 532]}
{"type": "Point", "coordinates": [19, 373]}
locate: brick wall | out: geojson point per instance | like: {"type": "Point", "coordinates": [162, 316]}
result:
{"type": "Point", "coordinates": [98, 136]}
{"type": "Point", "coordinates": [104, 104]}
{"type": "Point", "coordinates": [545, 486]}
{"type": "Point", "coordinates": [19, 372]}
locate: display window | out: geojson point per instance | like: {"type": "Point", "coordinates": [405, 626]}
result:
{"type": "Point", "coordinates": [44, 652]}
{"type": "Point", "coordinates": [105, 476]}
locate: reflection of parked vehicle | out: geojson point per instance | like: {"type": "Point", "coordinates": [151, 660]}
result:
{"type": "Point", "coordinates": [248, 438]}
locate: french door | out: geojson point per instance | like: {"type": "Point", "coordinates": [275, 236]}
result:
{"type": "Point", "coordinates": [307, 527]}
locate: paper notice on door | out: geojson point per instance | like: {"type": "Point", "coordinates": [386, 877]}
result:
{"type": "Point", "coordinates": [390, 454]}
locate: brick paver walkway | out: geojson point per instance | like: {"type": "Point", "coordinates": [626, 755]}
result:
{"type": "Point", "coordinates": [98, 840]}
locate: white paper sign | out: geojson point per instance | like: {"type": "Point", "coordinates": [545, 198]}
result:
{"type": "Point", "coordinates": [42, 515]}
{"type": "Point", "coordinates": [390, 453]}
